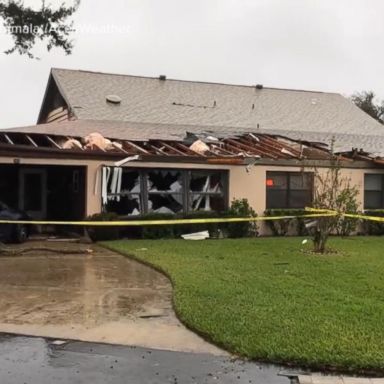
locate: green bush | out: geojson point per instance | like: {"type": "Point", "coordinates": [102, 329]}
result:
{"type": "Point", "coordinates": [241, 208]}
{"type": "Point", "coordinates": [283, 227]}
{"type": "Point", "coordinates": [101, 233]}
{"type": "Point", "coordinates": [157, 231]}
{"type": "Point", "coordinates": [373, 228]}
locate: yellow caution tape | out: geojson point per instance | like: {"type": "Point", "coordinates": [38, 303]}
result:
{"type": "Point", "coordinates": [350, 215]}
{"type": "Point", "coordinates": [136, 223]}
{"type": "Point", "coordinates": [318, 210]}
{"type": "Point", "coordinates": [364, 217]}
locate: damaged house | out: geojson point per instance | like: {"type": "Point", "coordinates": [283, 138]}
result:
{"type": "Point", "coordinates": [136, 145]}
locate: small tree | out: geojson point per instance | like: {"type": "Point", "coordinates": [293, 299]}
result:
{"type": "Point", "coordinates": [335, 193]}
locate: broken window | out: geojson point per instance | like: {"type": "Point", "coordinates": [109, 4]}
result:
{"type": "Point", "coordinates": [171, 191]}
{"type": "Point", "coordinates": [206, 191]}
{"type": "Point", "coordinates": [165, 191]}
{"type": "Point", "coordinates": [289, 189]}
{"type": "Point", "coordinates": [125, 200]}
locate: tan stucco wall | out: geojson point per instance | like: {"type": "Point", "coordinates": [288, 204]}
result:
{"type": "Point", "coordinates": [242, 184]}
{"type": "Point", "coordinates": [252, 185]}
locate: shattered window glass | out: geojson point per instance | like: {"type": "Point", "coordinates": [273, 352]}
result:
{"type": "Point", "coordinates": [165, 191]}
{"type": "Point", "coordinates": [127, 206]}
{"type": "Point", "coordinates": [127, 200]}
{"type": "Point", "coordinates": [206, 191]}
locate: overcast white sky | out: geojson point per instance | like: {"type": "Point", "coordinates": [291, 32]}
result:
{"type": "Point", "coordinates": [327, 45]}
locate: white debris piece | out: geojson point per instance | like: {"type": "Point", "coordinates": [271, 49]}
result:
{"type": "Point", "coordinates": [196, 236]}
{"type": "Point", "coordinates": [254, 137]}
{"type": "Point", "coordinates": [286, 152]}
{"type": "Point", "coordinates": [126, 160]}
{"type": "Point", "coordinates": [59, 342]}
{"type": "Point", "coordinates": [135, 212]}
{"type": "Point", "coordinates": [177, 188]}
{"type": "Point", "coordinates": [163, 210]}
{"type": "Point", "coordinates": [106, 174]}
{"type": "Point", "coordinates": [199, 147]}
{"type": "Point", "coordinates": [136, 188]}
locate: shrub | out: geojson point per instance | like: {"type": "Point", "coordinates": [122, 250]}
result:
{"type": "Point", "coordinates": [283, 227]}
{"type": "Point", "coordinates": [101, 233]}
{"type": "Point", "coordinates": [241, 208]}
{"type": "Point", "coordinates": [373, 228]}
{"type": "Point", "coordinates": [157, 231]}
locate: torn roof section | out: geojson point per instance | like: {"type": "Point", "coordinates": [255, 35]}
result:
{"type": "Point", "coordinates": [373, 146]}
{"type": "Point", "coordinates": [199, 146]}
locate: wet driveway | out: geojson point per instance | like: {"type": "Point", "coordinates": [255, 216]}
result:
{"type": "Point", "coordinates": [100, 297]}
{"type": "Point", "coordinates": [40, 361]}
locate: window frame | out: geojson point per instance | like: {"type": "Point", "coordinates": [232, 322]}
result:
{"type": "Point", "coordinates": [288, 190]}
{"type": "Point", "coordinates": [186, 192]}
{"type": "Point", "coordinates": [381, 191]}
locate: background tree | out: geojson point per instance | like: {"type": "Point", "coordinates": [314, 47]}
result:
{"type": "Point", "coordinates": [365, 100]}
{"type": "Point", "coordinates": [27, 25]}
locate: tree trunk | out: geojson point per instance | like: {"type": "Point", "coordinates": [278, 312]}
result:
{"type": "Point", "coordinates": [320, 240]}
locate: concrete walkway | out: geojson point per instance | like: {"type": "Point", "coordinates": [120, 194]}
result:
{"type": "Point", "coordinates": [313, 379]}
{"type": "Point", "coordinates": [99, 297]}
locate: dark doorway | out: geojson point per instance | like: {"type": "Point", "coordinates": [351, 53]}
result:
{"type": "Point", "coordinates": [45, 191]}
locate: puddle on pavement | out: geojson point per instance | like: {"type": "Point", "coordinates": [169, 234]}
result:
{"type": "Point", "coordinates": [96, 297]}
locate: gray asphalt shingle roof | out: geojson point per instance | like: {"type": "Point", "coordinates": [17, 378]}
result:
{"type": "Point", "coordinates": [225, 107]}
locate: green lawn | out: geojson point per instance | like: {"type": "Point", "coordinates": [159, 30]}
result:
{"type": "Point", "coordinates": [268, 300]}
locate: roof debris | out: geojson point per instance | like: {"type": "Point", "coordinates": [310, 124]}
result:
{"type": "Point", "coordinates": [204, 147]}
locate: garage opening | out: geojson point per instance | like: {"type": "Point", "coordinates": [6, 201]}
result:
{"type": "Point", "coordinates": [48, 192]}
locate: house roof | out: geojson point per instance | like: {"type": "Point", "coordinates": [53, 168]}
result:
{"type": "Point", "coordinates": [219, 107]}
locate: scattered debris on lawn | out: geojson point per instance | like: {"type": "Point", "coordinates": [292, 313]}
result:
{"type": "Point", "coordinates": [196, 236]}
